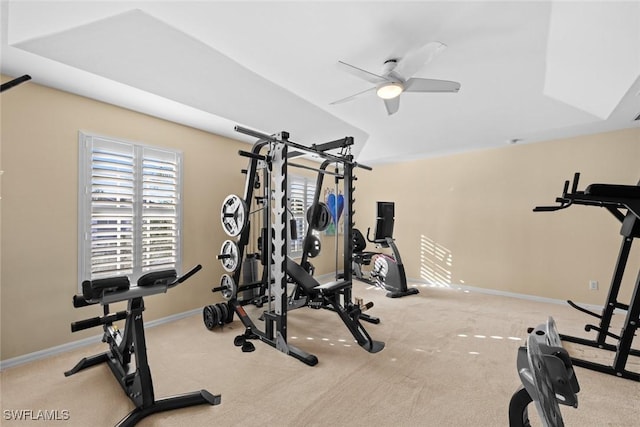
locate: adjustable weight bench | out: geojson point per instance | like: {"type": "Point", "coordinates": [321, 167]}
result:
{"type": "Point", "coordinates": [135, 379]}
{"type": "Point", "coordinates": [328, 296]}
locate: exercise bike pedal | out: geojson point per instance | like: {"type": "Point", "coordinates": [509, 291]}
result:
{"type": "Point", "coordinates": [239, 341]}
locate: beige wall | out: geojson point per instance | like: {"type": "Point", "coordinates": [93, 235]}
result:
{"type": "Point", "coordinates": [467, 218]}
{"type": "Point", "coordinates": [39, 210]}
{"type": "Point", "coordinates": [475, 207]}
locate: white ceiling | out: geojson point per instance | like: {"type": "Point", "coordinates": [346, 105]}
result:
{"type": "Point", "coordinates": [529, 71]}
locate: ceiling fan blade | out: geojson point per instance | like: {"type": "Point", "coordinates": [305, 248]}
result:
{"type": "Point", "coordinates": [360, 73]}
{"type": "Point", "coordinates": [413, 61]}
{"type": "Point", "coordinates": [430, 85]}
{"type": "Point", "coordinates": [349, 98]}
{"type": "Point", "coordinates": [392, 105]}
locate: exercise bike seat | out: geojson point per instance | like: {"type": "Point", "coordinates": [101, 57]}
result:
{"type": "Point", "coordinates": [359, 245]}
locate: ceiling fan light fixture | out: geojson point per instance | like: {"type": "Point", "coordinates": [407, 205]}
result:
{"type": "Point", "coordinates": [389, 90]}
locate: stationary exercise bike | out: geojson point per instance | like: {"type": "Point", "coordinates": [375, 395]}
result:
{"type": "Point", "coordinates": [387, 271]}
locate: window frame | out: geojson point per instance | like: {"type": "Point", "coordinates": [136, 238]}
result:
{"type": "Point", "coordinates": [141, 152]}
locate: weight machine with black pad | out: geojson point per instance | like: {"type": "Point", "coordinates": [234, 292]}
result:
{"type": "Point", "coordinates": [615, 198]}
{"type": "Point", "coordinates": [135, 378]}
{"type": "Point", "coordinates": [277, 268]}
{"type": "Point", "coordinates": [547, 377]}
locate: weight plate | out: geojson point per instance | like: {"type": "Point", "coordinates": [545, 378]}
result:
{"type": "Point", "coordinates": [218, 316]}
{"type": "Point", "coordinates": [229, 287]}
{"type": "Point", "coordinates": [319, 216]}
{"type": "Point", "coordinates": [229, 255]}
{"type": "Point", "coordinates": [208, 316]}
{"type": "Point", "coordinates": [224, 309]}
{"type": "Point", "coordinates": [233, 215]}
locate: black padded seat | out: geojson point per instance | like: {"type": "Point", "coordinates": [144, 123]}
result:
{"type": "Point", "coordinates": [310, 285]}
{"type": "Point", "coordinates": [614, 190]}
{"type": "Point", "coordinates": [163, 277]}
{"type": "Point", "coordinates": [94, 289]}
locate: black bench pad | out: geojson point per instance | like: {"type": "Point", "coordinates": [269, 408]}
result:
{"type": "Point", "coordinates": [614, 190]}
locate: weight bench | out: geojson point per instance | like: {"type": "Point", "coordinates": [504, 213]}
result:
{"type": "Point", "coordinates": [328, 296]}
{"type": "Point", "coordinates": [547, 376]}
{"type": "Point", "coordinates": [135, 380]}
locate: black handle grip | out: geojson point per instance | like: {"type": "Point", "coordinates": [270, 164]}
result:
{"type": "Point", "coordinates": [547, 208]}
{"type": "Point", "coordinates": [97, 321]}
{"type": "Point", "coordinates": [224, 256]}
{"type": "Point", "coordinates": [14, 82]}
{"type": "Point", "coordinates": [190, 273]}
{"type": "Point", "coordinates": [251, 155]}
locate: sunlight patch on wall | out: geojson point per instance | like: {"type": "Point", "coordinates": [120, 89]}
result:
{"type": "Point", "coordinates": [435, 262]}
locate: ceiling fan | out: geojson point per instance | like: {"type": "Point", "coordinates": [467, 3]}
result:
{"type": "Point", "coordinates": [397, 77]}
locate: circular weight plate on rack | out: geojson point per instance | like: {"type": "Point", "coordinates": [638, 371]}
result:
{"type": "Point", "coordinates": [313, 246]}
{"type": "Point", "coordinates": [234, 215]}
{"type": "Point", "coordinates": [319, 216]}
{"type": "Point", "coordinates": [229, 255]}
{"type": "Point", "coordinates": [229, 287]}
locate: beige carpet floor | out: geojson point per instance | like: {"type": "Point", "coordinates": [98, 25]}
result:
{"type": "Point", "coordinates": [449, 361]}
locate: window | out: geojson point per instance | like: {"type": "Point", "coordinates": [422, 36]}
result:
{"type": "Point", "coordinates": [129, 208]}
{"type": "Point", "coordinates": [301, 193]}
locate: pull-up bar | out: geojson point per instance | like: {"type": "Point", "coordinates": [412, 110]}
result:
{"type": "Point", "coordinates": [297, 146]}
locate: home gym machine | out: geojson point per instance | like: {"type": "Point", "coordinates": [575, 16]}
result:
{"type": "Point", "coordinates": [388, 270]}
{"type": "Point", "coordinates": [615, 198]}
{"type": "Point", "coordinates": [15, 82]}
{"type": "Point", "coordinates": [135, 378]}
{"type": "Point", "coordinates": [547, 376]}
{"type": "Point", "coordinates": [269, 156]}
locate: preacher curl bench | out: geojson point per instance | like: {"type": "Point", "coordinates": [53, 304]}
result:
{"type": "Point", "coordinates": [135, 378]}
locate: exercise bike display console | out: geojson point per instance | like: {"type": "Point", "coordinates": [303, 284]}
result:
{"type": "Point", "coordinates": [135, 378]}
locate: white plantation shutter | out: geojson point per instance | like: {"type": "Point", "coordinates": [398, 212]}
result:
{"type": "Point", "coordinates": [129, 208]}
{"type": "Point", "coordinates": [301, 192]}
{"type": "Point", "coordinates": [159, 210]}
{"type": "Point", "coordinates": [112, 209]}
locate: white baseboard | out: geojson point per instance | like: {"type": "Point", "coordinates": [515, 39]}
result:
{"type": "Point", "coordinates": [42, 354]}
{"type": "Point", "coordinates": [528, 297]}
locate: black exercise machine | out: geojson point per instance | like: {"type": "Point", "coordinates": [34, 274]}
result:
{"type": "Point", "coordinates": [387, 271]}
{"type": "Point", "coordinates": [547, 377]}
{"type": "Point", "coordinates": [270, 156]}
{"type": "Point", "coordinates": [135, 378]}
{"type": "Point", "coordinates": [15, 82]}
{"type": "Point", "coordinates": [615, 198]}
